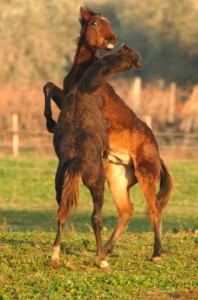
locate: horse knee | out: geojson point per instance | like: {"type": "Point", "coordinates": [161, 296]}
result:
{"type": "Point", "coordinates": [154, 215]}
{"type": "Point", "coordinates": [97, 220]}
{"type": "Point", "coordinates": [48, 88]}
{"type": "Point", "coordinates": [130, 212]}
{"type": "Point", "coordinates": [126, 216]}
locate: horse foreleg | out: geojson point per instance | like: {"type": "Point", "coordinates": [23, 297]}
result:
{"type": "Point", "coordinates": [120, 178]}
{"type": "Point", "coordinates": [51, 91]}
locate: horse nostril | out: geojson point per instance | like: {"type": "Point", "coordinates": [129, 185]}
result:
{"type": "Point", "coordinates": [111, 39]}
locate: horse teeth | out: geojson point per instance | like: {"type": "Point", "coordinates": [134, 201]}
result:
{"type": "Point", "coordinates": [110, 46]}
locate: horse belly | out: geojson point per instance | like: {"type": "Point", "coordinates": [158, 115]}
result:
{"type": "Point", "coordinates": [120, 158]}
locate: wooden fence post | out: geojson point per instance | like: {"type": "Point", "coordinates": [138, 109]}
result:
{"type": "Point", "coordinates": [190, 116]}
{"type": "Point", "coordinates": [15, 135]}
{"type": "Point", "coordinates": [172, 100]}
{"type": "Point", "coordinates": [136, 94]}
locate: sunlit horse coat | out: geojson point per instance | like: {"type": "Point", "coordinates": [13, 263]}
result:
{"type": "Point", "coordinates": [134, 155]}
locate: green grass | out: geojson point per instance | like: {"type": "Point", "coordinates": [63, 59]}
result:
{"type": "Point", "coordinates": [28, 225]}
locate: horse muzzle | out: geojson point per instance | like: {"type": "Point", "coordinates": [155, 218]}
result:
{"type": "Point", "coordinates": [110, 42]}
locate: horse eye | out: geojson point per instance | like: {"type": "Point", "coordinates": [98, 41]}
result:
{"type": "Point", "coordinates": [95, 24]}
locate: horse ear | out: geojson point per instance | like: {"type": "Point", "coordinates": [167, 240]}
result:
{"type": "Point", "coordinates": [85, 14]}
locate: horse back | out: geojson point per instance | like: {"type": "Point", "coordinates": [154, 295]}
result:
{"type": "Point", "coordinates": [81, 130]}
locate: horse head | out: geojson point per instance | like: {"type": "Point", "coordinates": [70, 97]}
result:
{"type": "Point", "coordinates": [96, 30]}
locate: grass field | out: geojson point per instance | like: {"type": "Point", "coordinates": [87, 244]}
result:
{"type": "Point", "coordinates": [27, 231]}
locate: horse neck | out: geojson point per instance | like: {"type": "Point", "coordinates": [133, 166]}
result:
{"type": "Point", "coordinates": [84, 57]}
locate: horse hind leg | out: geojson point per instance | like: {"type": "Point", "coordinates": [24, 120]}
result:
{"type": "Point", "coordinates": [55, 258]}
{"type": "Point", "coordinates": [120, 178]}
{"type": "Point", "coordinates": [95, 184]}
{"type": "Point", "coordinates": [97, 224]}
{"type": "Point", "coordinates": [148, 185]}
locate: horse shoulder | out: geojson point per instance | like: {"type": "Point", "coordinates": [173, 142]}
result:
{"type": "Point", "coordinates": [115, 109]}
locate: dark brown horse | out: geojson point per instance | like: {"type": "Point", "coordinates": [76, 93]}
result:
{"type": "Point", "coordinates": [134, 155]}
{"type": "Point", "coordinates": [80, 140]}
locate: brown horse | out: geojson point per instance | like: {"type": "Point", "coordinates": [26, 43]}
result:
{"type": "Point", "coordinates": [134, 155]}
{"type": "Point", "coordinates": [80, 140]}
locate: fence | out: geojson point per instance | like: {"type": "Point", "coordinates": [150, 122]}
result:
{"type": "Point", "coordinates": [172, 145]}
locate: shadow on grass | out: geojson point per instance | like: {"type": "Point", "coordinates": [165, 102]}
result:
{"type": "Point", "coordinates": [23, 220]}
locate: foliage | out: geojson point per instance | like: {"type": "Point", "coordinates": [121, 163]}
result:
{"type": "Point", "coordinates": [27, 225]}
{"type": "Point", "coordinates": [37, 40]}
{"type": "Point", "coordinates": [26, 275]}
{"type": "Point", "coordinates": [27, 198]}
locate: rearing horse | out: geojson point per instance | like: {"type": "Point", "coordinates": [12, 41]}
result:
{"type": "Point", "coordinates": [80, 140]}
{"type": "Point", "coordinates": [134, 155]}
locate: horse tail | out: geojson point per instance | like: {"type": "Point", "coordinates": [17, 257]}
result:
{"type": "Point", "coordinates": [70, 189]}
{"type": "Point", "coordinates": [166, 187]}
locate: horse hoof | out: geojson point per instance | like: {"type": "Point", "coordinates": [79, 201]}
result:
{"type": "Point", "coordinates": [107, 250]}
{"type": "Point", "coordinates": [54, 263]}
{"type": "Point", "coordinates": [104, 264]}
{"type": "Point", "coordinates": [156, 258]}
{"type": "Point", "coordinates": [51, 130]}
{"type": "Point", "coordinates": [51, 124]}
